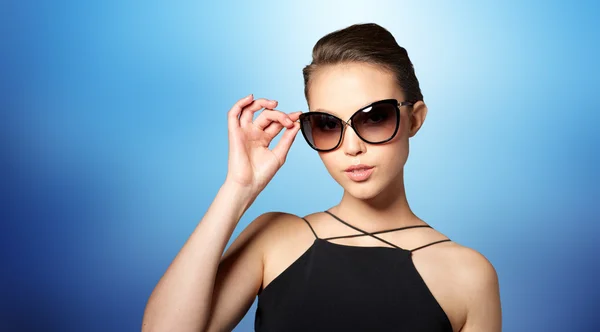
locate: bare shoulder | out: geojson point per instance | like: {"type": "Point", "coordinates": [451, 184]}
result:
{"type": "Point", "coordinates": [242, 269]}
{"type": "Point", "coordinates": [284, 239]}
{"type": "Point", "coordinates": [275, 223]}
{"type": "Point", "coordinates": [283, 228]}
{"type": "Point", "coordinates": [256, 237]}
{"type": "Point", "coordinates": [472, 266]}
{"type": "Point", "coordinates": [274, 229]}
{"type": "Point", "coordinates": [478, 283]}
{"type": "Point", "coordinates": [269, 222]}
{"type": "Point", "coordinates": [465, 269]}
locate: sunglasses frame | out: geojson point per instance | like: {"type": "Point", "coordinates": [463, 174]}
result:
{"type": "Point", "coordinates": [394, 102]}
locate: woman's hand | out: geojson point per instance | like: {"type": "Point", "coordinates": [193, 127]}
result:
{"type": "Point", "coordinates": [251, 164]}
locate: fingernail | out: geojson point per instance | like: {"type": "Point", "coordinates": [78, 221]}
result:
{"type": "Point", "coordinates": [250, 96]}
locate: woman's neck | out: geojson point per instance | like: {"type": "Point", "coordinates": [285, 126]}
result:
{"type": "Point", "coordinates": [389, 209]}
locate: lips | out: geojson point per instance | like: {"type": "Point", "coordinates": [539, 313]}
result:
{"type": "Point", "coordinates": [359, 173]}
{"type": "Point", "coordinates": [358, 167]}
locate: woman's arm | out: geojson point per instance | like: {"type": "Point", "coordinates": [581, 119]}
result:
{"type": "Point", "coordinates": [201, 290]}
{"type": "Point", "coordinates": [484, 311]}
{"type": "Point", "coordinates": [182, 299]}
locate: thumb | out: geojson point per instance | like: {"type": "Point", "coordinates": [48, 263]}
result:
{"type": "Point", "coordinates": [283, 146]}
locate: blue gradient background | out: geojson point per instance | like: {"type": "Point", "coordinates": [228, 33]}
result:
{"type": "Point", "coordinates": [114, 143]}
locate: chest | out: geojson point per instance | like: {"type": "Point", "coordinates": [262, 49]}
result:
{"type": "Point", "coordinates": [337, 287]}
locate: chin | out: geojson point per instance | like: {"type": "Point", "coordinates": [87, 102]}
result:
{"type": "Point", "coordinates": [363, 193]}
{"type": "Point", "coordinates": [362, 190]}
{"type": "Point", "coordinates": [373, 186]}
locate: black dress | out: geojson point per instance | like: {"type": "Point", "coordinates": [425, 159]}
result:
{"type": "Point", "coordinates": [335, 287]}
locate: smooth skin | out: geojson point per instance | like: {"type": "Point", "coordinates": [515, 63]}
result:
{"type": "Point", "coordinates": [203, 290]}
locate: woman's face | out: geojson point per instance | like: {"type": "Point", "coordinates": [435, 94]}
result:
{"type": "Point", "coordinates": [343, 89]}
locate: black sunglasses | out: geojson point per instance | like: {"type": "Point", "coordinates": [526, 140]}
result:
{"type": "Point", "coordinates": [375, 123]}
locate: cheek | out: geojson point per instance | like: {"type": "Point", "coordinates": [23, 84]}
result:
{"type": "Point", "coordinates": [332, 163]}
{"type": "Point", "coordinates": [402, 137]}
{"type": "Point", "coordinates": [392, 157]}
{"type": "Point", "coordinates": [400, 141]}
{"type": "Point", "coordinates": [334, 166]}
{"type": "Point", "coordinates": [404, 124]}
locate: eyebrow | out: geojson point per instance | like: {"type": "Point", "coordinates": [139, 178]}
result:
{"type": "Point", "coordinates": [326, 111]}
{"type": "Point", "coordinates": [322, 110]}
{"type": "Point", "coordinates": [333, 113]}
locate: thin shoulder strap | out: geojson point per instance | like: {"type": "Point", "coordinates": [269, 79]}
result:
{"type": "Point", "coordinates": [378, 232]}
{"type": "Point", "coordinates": [430, 244]}
{"type": "Point", "coordinates": [360, 230]}
{"type": "Point", "coordinates": [311, 228]}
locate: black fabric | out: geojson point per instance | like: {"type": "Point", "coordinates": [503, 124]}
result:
{"type": "Point", "coordinates": [336, 287]}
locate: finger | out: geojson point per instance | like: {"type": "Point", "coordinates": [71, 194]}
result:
{"type": "Point", "coordinates": [248, 111]}
{"type": "Point", "coordinates": [274, 128]}
{"type": "Point", "coordinates": [283, 146]}
{"type": "Point", "coordinates": [235, 111]}
{"type": "Point", "coordinates": [269, 116]}
{"type": "Point", "coordinates": [295, 115]}
{"type": "Point", "coordinates": [258, 104]}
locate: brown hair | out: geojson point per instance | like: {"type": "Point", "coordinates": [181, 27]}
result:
{"type": "Point", "coordinates": [366, 43]}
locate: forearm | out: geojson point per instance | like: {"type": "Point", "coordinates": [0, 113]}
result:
{"type": "Point", "coordinates": [182, 298]}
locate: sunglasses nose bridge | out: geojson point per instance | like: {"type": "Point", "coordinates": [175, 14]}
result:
{"type": "Point", "coordinates": [345, 125]}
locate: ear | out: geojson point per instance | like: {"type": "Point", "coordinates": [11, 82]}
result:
{"type": "Point", "coordinates": [416, 117]}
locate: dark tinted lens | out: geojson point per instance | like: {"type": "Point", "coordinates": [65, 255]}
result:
{"type": "Point", "coordinates": [377, 123]}
{"type": "Point", "coordinates": [321, 131]}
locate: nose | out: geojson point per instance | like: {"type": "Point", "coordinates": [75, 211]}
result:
{"type": "Point", "coordinates": [352, 144]}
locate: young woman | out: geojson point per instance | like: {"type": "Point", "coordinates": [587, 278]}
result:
{"type": "Point", "coordinates": [368, 263]}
